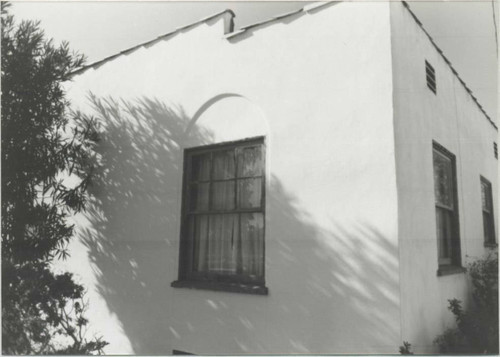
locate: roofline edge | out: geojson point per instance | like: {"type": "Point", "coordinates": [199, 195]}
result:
{"type": "Point", "coordinates": [228, 27]}
{"type": "Point", "coordinates": [447, 61]}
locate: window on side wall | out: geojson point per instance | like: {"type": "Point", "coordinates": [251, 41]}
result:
{"type": "Point", "coordinates": [488, 217]}
{"type": "Point", "coordinates": [446, 205]}
{"type": "Point", "coordinates": [222, 234]}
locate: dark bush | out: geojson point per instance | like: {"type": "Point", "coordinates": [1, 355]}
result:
{"type": "Point", "coordinates": [477, 326]}
{"type": "Point", "coordinates": [43, 145]}
{"type": "Point", "coordinates": [405, 349]}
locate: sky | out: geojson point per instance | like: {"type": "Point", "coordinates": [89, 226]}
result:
{"type": "Point", "coordinates": [465, 30]}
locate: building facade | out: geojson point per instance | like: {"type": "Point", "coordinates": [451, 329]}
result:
{"type": "Point", "coordinates": [315, 183]}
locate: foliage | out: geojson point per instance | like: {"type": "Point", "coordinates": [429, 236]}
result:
{"type": "Point", "coordinates": [405, 349]}
{"type": "Point", "coordinates": [47, 165]}
{"type": "Point", "coordinates": [477, 328]}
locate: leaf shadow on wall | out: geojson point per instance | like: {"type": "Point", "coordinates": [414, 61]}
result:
{"type": "Point", "coordinates": [332, 290]}
{"type": "Point", "coordinates": [134, 203]}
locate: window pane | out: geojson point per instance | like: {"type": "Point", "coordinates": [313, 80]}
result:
{"type": "Point", "coordinates": [200, 167]}
{"type": "Point", "coordinates": [488, 228]}
{"type": "Point", "coordinates": [443, 184]}
{"type": "Point", "coordinates": [198, 231]}
{"type": "Point", "coordinates": [485, 196]}
{"type": "Point", "coordinates": [488, 221]}
{"type": "Point", "coordinates": [222, 237]}
{"type": "Point", "coordinates": [250, 161]}
{"type": "Point", "coordinates": [252, 244]}
{"type": "Point", "coordinates": [224, 165]}
{"type": "Point", "coordinates": [223, 195]}
{"type": "Point", "coordinates": [444, 233]}
{"type": "Point", "coordinates": [198, 197]}
{"type": "Point", "coordinates": [249, 193]}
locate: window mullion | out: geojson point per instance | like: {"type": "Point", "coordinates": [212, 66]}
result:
{"type": "Point", "coordinates": [210, 185]}
{"type": "Point", "coordinates": [194, 263]}
{"type": "Point", "coordinates": [207, 247]}
{"type": "Point", "coordinates": [237, 151]}
{"type": "Point", "coordinates": [211, 170]}
{"type": "Point", "coordinates": [189, 254]}
{"type": "Point", "coordinates": [239, 253]}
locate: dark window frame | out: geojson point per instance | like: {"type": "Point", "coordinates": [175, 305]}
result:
{"type": "Point", "coordinates": [187, 277]}
{"type": "Point", "coordinates": [488, 241]}
{"type": "Point", "coordinates": [430, 75]}
{"type": "Point", "coordinates": [455, 263]}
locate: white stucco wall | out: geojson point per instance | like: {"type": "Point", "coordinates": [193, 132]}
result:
{"type": "Point", "coordinates": [454, 120]}
{"type": "Point", "coordinates": [318, 85]}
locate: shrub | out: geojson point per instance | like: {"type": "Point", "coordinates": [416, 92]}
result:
{"type": "Point", "coordinates": [405, 349]}
{"type": "Point", "coordinates": [477, 327]}
{"type": "Point", "coordinates": [47, 165]}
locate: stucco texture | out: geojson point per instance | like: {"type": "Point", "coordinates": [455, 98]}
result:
{"type": "Point", "coordinates": [338, 92]}
{"type": "Point", "coordinates": [453, 119]}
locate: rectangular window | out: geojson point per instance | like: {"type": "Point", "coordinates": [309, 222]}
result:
{"type": "Point", "coordinates": [446, 203]}
{"type": "Point", "coordinates": [488, 217]}
{"type": "Point", "coordinates": [223, 214]}
{"type": "Point", "coordinates": [431, 77]}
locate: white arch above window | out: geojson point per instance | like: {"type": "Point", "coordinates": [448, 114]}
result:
{"type": "Point", "coordinates": [228, 117]}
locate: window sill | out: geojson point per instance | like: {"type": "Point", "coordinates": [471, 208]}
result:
{"type": "Point", "coordinates": [450, 269]}
{"type": "Point", "coordinates": [491, 245]}
{"type": "Point", "coordinates": [219, 286]}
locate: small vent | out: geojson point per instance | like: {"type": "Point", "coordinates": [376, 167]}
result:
{"type": "Point", "coordinates": [431, 77]}
{"type": "Point", "coordinates": [495, 150]}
